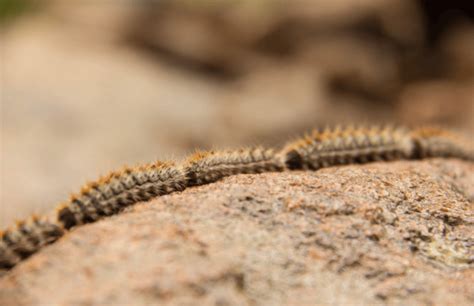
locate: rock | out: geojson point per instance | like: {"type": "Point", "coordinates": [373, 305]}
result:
{"type": "Point", "coordinates": [400, 233]}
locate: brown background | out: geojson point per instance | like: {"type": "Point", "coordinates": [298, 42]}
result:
{"type": "Point", "coordinates": [90, 86]}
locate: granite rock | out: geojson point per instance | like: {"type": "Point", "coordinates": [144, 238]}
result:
{"type": "Point", "coordinates": [398, 233]}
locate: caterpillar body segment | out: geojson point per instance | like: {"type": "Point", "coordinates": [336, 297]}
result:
{"type": "Point", "coordinates": [346, 146]}
{"type": "Point", "coordinates": [321, 148]}
{"type": "Point", "coordinates": [8, 258]}
{"type": "Point", "coordinates": [120, 189]}
{"type": "Point", "coordinates": [438, 142]}
{"type": "Point", "coordinates": [25, 238]}
{"type": "Point", "coordinates": [207, 167]}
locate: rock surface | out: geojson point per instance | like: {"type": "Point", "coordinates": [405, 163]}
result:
{"type": "Point", "coordinates": [395, 233]}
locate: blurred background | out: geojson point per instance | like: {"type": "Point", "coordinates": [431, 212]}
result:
{"type": "Point", "coordinates": [87, 86]}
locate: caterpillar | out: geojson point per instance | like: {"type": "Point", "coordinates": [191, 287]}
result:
{"type": "Point", "coordinates": [321, 148]}
{"type": "Point", "coordinates": [347, 146]}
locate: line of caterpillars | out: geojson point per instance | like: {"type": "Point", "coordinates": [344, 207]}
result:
{"type": "Point", "coordinates": [321, 148]}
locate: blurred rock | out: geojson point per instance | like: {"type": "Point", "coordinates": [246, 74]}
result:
{"type": "Point", "coordinates": [438, 102]}
{"type": "Point", "coordinates": [227, 40]}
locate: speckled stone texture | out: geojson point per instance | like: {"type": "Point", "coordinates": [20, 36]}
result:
{"type": "Point", "coordinates": [399, 233]}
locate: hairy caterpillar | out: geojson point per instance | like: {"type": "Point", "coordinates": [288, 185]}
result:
{"type": "Point", "coordinates": [207, 167]}
{"type": "Point", "coordinates": [119, 189]}
{"type": "Point", "coordinates": [25, 238]}
{"type": "Point", "coordinates": [346, 146]}
{"type": "Point", "coordinates": [329, 147]}
{"type": "Point", "coordinates": [438, 142]}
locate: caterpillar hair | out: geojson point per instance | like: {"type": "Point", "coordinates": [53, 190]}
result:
{"type": "Point", "coordinates": [111, 193]}
{"type": "Point", "coordinates": [207, 167]}
{"type": "Point", "coordinates": [347, 145]}
{"type": "Point", "coordinates": [439, 142]}
{"type": "Point", "coordinates": [25, 238]}
{"type": "Point", "coordinates": [119, 189]}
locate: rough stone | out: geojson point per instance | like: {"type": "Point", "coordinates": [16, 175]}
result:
{"type": "Point", "coordinates": [399, 233]}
